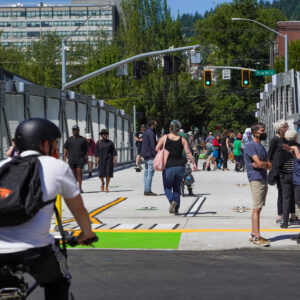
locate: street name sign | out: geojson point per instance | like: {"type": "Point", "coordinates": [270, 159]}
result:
{"type": "Point", "coordinates": [226, 74]}
{"type": "Point", "coordinates": [264, 72]}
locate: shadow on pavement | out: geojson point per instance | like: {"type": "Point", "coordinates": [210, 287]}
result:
{"type": "Point", "coordinates": [283, 237]}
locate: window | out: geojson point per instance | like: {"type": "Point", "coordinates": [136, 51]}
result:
{"type": "Point", "coordinates": [33, 24]}
{"type": "Point", "coordinates": [79, 13]}
{"type": "Point", "coordinates": [45, 33]}
{"type": "Point", "coordinates": [94, 23]}
{"type": "Point", "coordinates": [19, 44]}
{"type": "Point", "coordinates": [32, 14]}
{"type": "Point", "coordinates": [46, 14]}
{"type": "Point", "coordinates": [19, 34]}
{"type": "Point", "coordinates": [61, 23]}
{"type": "Point", "coordinates": [5, 14]}
{"type": "Point", "coordinates": [80, 33]}
{"type": "Point", "coordinates": [62, 33]}
{"type": "Point", "coordinates": [77, 23]}
{"type": "Point", "coordinates": [61, 13]}
{"type": "Point", "coordinates": [18, 14]}
{"type": "Point", "coordinates": [18, 24]}
{"type": "Point", "coordinates": [106, 23]}
{"type": "Point", "coordinates": [94, 32]}
{"type": "Point", "coordinates": [46, 24]}
{"type": "Point", "coordinates": [5, 24]}
{"type": "Point", "coordinates": [5, 44]}
{"type": "Point", "coordinates": [32, 34]}
{"type": "Point", "coordinates": [106, 12]}
{"type": "Point", "coordinates": [94, 13]}
{"type": "Point", "coordinates": [5, 35]}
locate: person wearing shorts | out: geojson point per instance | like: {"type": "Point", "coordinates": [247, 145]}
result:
{"type": "Point", "coordinates": [75, 149]}
{"type": "Point", "coordinates": [257, 164]}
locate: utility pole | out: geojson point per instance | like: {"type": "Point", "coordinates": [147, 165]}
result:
{"type": "Point", "coordinates": [134, 119]}
{"type": "Point", "coordinates": [63, 54]}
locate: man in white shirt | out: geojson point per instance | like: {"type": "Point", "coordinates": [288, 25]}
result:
{"type": "Point", "coordinates": [30, 243]}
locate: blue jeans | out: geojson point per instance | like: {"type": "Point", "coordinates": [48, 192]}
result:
{"type": "Point", "coordinates": [172, 178]}
{"type": "Point", "coordinates": [148, 174]}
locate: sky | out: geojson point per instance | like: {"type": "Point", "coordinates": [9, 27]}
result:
{"type": "Point", "coordinates": [183, 6]}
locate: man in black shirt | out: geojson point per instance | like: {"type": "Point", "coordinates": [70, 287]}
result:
{"type": "Point", "coordinates": [139, 138]}
{"type": "Point", "coordinates": [75, 149]}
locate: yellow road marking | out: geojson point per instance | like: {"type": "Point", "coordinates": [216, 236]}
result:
{"type": "Point", "coordinates": [97, 211]}
{"type": "Point", "coordinates": [189, 230]}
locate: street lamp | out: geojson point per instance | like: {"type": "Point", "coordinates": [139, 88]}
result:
{"type": "Point", "coordinates": [283, 35]}
{"type": "Point", "coordinates": [63, 54]}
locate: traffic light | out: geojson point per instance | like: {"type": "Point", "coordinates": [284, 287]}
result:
{"type": "Point", "coordinates": [139, 69]}
{"type": "Point", "coordinates": [207, 78]}
{"type": "Point", "coordinates": [245, 78]}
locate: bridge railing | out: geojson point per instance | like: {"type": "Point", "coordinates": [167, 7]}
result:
{"type": "Point", "coordinates": [19, 101]}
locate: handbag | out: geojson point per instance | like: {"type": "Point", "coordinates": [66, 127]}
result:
{"type": "Point", "coordinates": [160, 160]}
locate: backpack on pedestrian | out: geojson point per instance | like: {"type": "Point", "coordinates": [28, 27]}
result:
{"type": "Point", "coordinates": [21, 194]}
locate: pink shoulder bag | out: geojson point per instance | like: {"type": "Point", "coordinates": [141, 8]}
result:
{"type": "Point", "coordinates": [161, 158]}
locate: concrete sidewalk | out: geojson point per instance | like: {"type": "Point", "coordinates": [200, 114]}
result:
{"type": "Point", "coordinates": [218, 217]}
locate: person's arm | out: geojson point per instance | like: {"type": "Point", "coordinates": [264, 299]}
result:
{"type": "Point", "coordinates": [272, 148]}
{"type": "Point", "coordinates": [81, 215]}
{"type": "Point", "coordinates": [160, 143]}
{"type": "Point", "coordinates": [65, 154]}
{"type": "Point", "coordinates": [114, 153]}
{"type": "Point", "coordinates": [258, 164]}
{"type": "Point", "coordinates": [228, 145]}
{"type": "Point", "coordinates": [66, 150]}
{"type": "Point", "coordinates": [188, 153]}
{"type": "Point", "coordinates": [295, 152]}
{"type": "Point", "coordinates": [152, 142]}
{"type": "Point", "coordinates": [10, 150]}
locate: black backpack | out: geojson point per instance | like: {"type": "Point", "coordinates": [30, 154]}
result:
{"type": "Point", "coordinates": [20, 190]}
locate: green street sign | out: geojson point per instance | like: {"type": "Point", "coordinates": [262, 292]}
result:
{"type": "Point", "coordinates": [264, 72]}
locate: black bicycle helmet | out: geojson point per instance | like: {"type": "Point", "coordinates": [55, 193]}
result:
{"type": "Point", "coordinates": [31, 132]}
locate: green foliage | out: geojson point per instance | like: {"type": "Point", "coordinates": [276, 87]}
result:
{"type": "Point", "coordinates": [146, 25]}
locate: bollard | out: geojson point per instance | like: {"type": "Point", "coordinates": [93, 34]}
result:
{"type": "Point", "coordinates": [58, 206]}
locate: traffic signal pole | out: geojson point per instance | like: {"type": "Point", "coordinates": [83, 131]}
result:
{"type": "Point", "coordinates": [125, 61]}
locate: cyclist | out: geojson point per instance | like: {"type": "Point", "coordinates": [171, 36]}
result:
{"type": "Point", "coordinates": [30, 243]}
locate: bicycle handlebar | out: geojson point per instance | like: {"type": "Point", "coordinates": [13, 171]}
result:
{"type": "Point", "coordinates": [73, 241]}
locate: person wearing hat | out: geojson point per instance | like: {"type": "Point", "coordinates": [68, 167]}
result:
{"type": "Point", "coordinates": [91, 153]}
{"type": "Point", "coordinates": [75, 149]}
{"type": "Point", "coordinates": [106, 159]}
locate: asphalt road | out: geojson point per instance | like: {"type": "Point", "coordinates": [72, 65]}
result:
{"type": "Point", "coordinates": [234, 274]}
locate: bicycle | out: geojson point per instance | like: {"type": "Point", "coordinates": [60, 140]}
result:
{"type": "Point", "coordinates": [16, 287]}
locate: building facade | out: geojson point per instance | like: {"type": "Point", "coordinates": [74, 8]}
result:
{"type": "Point", "coordinates": [292, 29]}
{"type": "Point", "coordinates": [20, 26]}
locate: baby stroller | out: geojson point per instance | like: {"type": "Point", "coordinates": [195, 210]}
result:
{"type": "Point", "coordinates": [188, 180]}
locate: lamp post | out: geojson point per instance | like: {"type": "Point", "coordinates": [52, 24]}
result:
{"type": "Point", "coordinates": [285, 36]}
{"type": "Point", "coordinates": [63, 54]}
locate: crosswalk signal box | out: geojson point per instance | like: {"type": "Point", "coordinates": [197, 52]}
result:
{"type": "Point", "coordinates": [245, 78]}
{"type": "Point", "coordinates": [207, 78]}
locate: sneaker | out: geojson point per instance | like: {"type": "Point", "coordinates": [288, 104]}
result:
{"type": "Point", "coordinates": [279, 221]}
{"type": "Point", "coordinates": [90, 174]}
{"type": "Point", "coordinates": [295, 221]}
{"type": "Point", "coordinates": [284, 225]}
{"type": "Point", "coordinates": [176, 211]}
{"type": "Point", "coordinates": [251, 238]}
{"type": "Point", "coordinates": [149, 194]}
{"type": "Point", "coordinates": [261, 241]}
{"type": "Point", "coordinates": [172, 208]}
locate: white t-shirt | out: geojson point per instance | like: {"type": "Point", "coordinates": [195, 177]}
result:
{"type": "Point", "coordinates": [56, 178]}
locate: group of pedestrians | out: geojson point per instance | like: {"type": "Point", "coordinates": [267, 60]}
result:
{"type": "Point", "coordinates": [80, 151]}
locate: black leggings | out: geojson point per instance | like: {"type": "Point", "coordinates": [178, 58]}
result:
{"type": "Point", "coordinates": [225, 158]}
{"type": "Point", "coordinates": [46, 265]}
